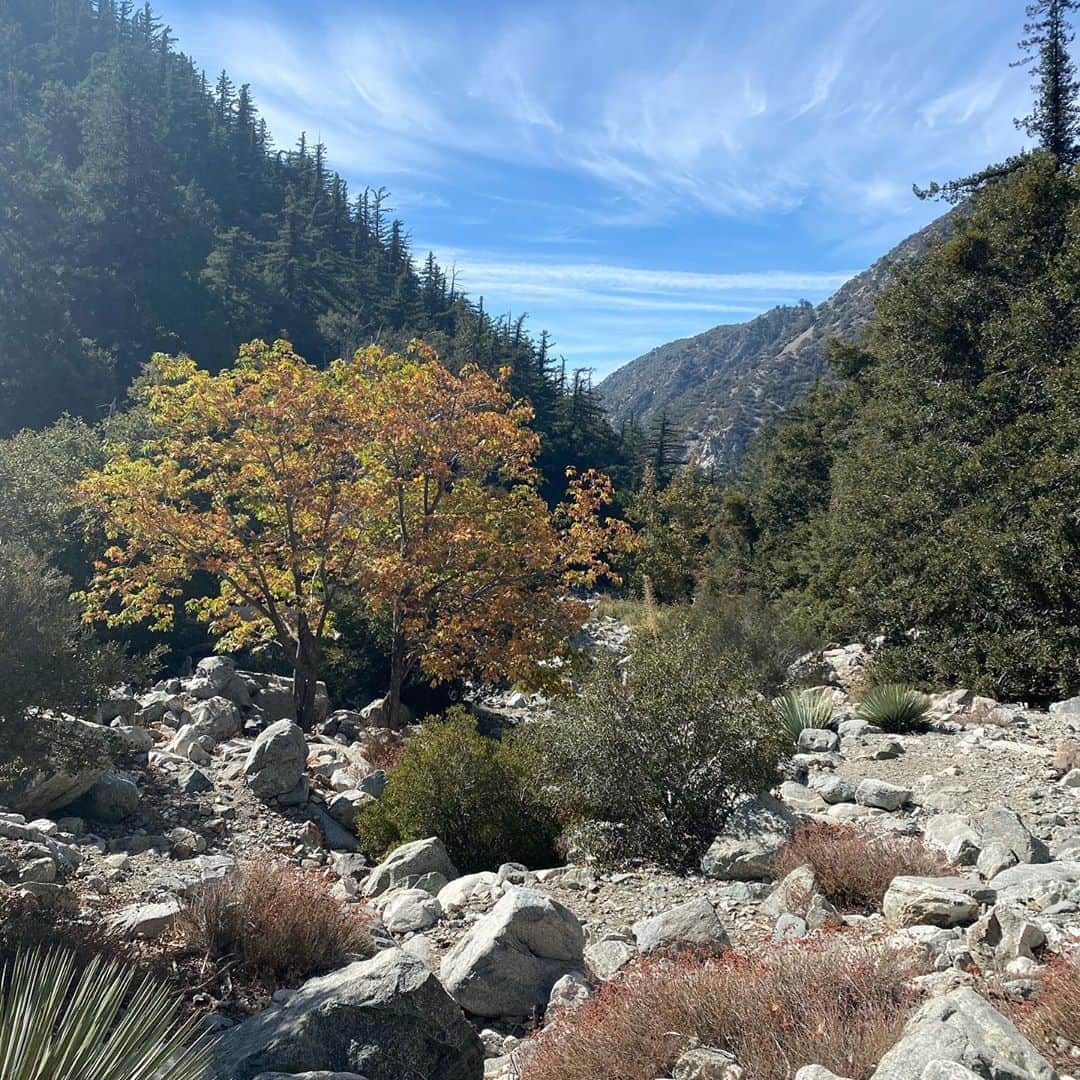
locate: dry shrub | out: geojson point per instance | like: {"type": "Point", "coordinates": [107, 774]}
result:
{"type": "Point", "coordinates": [277, 922]}
{"type": "Point", "coordinates": [384, 754]}
{"type": "Point", "coordinates": [27, 923]}
{"type": "Point", "coordinates": [827, 1002]}
{"type": "Point", "coordinates": [1054, 1012]}
{"type": "Point", "coordinates": [854, 866]}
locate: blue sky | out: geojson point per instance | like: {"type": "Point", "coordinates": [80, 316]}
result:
{"type": "Point", "coordinates": [629, 173]}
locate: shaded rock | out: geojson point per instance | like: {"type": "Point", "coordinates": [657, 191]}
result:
{"type": "Point", "coordinates": [411, 864]}
{"type": "Point", "coordinates": [753, 834]}
{"type": "Point", "coordinates": [963, 1028]}
{"type": "Point", "coordinates": [276, 761]}
{"type": "Point", "coordinates": [410, 910]}
{"type": "Point", "coordinates": [145, 921]}
{"type": "Point", "coordinates": [690, 926]}
{"type": "Point", "coordinates": [930, 901]}
{"type": "Point", "coordinates": [192, 781]}
{"type": "Point", "coordinates": [111, 799]}
{"type": "Point", "coordinates": [881, 794]}
{"type": "Point", "coordinates": [72, 757]}
{"type": "Point", "coordinates": [510, 959]}
{"type": "Point", "coordinates": [374, 784]}
{"type": "Point", "coordinates": [1000, 825]}
{"type": "Point", "coordinates": [117, 706]}
{"type": "Point", "coordinates": [130, 739]}
{"type": "Point", "coordinates": [384, 1018]}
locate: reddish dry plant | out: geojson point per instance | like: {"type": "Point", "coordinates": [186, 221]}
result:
{"type": "Point", "coordinates": [279, 923]}
{"type": "Point", "coordinates": [827, 1002]}
{"type": "Point", "coordinates": [1053, 1014]}
{"type": "Point", "coordinates": [854, 866]}
{"type": "Point", "coordinates": [384, 755]}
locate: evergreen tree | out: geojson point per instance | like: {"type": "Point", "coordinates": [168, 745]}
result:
{"type": "Point", "coordinates": [931, 497]}
{"type": "Point", "coordinates": [1054, 121]}
{"type": "Point", "coordinates": [144, 209]}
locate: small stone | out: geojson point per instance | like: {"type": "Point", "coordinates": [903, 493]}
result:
{"type": "Point", "coordinates": [882, 795]}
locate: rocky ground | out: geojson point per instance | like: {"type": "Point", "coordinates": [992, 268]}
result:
{"type": "Point", "coordinates": [205, 772]}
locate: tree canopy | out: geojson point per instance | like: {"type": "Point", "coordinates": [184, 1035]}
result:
{"type": "Point", "coordinates": [298, 489]}
{"type": "Point", "coordinates": [931, 496]}
{"type": "Point", "coordinates": [145, 208]}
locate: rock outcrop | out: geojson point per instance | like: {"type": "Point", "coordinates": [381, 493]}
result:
{"type": "Point", "coordinates": [384, 1018]}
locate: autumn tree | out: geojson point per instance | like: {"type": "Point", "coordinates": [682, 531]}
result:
{"type": "Point", "coordinates": [385, 478]}
{"type": "Point", "coordinates": [255, 476]}
{"type": "Point", "coordinates": [467, 565]}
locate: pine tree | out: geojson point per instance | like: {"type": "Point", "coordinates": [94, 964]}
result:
{"type": "Point", "coordinates": [1055, 117]}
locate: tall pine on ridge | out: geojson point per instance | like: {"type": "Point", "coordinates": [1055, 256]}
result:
{"type": "Point", "coordinates": [1054, 121]}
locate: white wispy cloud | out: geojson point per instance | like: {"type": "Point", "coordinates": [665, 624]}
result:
{"type": "Point", "coordinates": [487, 269]}
{"type": "Point", "coordinates": [736, 108]}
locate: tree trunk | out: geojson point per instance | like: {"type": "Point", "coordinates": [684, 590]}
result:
{"type": "Point", "coordinates": [397, 672]}
{"type": "Point", "coordinates": [305, 675]}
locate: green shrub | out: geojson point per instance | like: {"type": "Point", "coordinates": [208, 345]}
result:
{"type": "Point", "coordinates": [49, 660]}
{"type": "Point", "coordinates": [62, 1019]}
{"type": "Point", "coordinates": [893, 708]}
{"type": "Point", "coordinates": [648, 762]}
{"type": "Point", "coordinates": [800, 709]}
{"type": "Point", "coordinates": [763, 634]}
{"type": "Point", "coordinates": [478, 795]}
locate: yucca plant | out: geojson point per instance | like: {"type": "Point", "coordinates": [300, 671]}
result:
{"type": "Point", "coordinates": [893, 708]}
{"type": "Point", "coordinates": [92, 1024]}
{"type": "Point", "coordinates": [799, 709]}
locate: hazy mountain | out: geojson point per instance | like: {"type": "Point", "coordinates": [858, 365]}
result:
{"type": "Point", "coordinates": [719, 387]}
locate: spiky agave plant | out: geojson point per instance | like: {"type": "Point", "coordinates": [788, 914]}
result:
{"type": "Point", "coordinates": [893, 708]}
{"type": "Point", "coordinates": [94, 1024]}
{"type": "Point", "coordinates": [801, 709]}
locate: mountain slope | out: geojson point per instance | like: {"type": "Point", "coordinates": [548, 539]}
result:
{"type": "Point", "coordinates": [143, 210]}
{"type": "Point", "coordinates": [719, 387]}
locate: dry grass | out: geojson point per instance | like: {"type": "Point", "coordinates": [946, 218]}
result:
{"type": "Point", "coordinates": [854, 866]}
{"type": "Point", "coordinates": [385, 755]}
{"type": "Point", "coordinates": [827, 1002]}
{"type": "Point", "coordinates": [1054, 1012]}
{"type": "Point", "coordinates": [278, 923]}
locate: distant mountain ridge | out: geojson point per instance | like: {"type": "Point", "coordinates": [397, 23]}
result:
{"type": "Point", "coordinates": [719, 387]}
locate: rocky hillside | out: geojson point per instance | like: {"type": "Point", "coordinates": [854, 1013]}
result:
{"type": "Point", "coordinates": [973, 822]}
{"type": "Point", "coordinates": [719, 387]}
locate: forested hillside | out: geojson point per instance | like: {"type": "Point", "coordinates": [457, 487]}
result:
{"type": "Point", "coordinates": [145, 208]}
{"type": "Point", "coordinates": [720, 387]}
{"type": "Point", "coordinates": [930, 494]}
